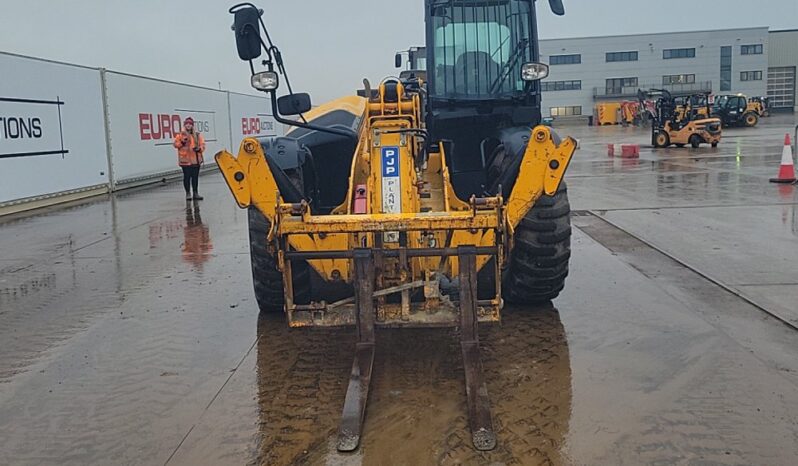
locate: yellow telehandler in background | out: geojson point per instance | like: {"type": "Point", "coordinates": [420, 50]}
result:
{"type": "Point", "coordinates": [737, 110]}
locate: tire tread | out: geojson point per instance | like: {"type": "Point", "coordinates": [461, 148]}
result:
{"type": "Point", "coordinates": [539, 261]}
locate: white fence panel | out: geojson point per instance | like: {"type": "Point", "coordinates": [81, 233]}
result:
{"type": "Point", "coordinates": [144, 116]}
{"type": "Point", "coordinates": [52, 138]}
{"type": "Point", "coordinates": [251, 116]}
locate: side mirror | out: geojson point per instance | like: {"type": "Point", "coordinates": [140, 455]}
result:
{"type": "Point", "coordinates": [556, 7]}
{"type": "Point", "coordinates": [397, 60]}
{"type": "Point", "coordinates": [247, 30]}
{"type": "Point", "coordinates": [294, 104]}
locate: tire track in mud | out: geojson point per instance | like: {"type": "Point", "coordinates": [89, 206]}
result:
{"type": "Point", "coordinates": [417, 410]}
{"type": "Point", "coordinates": [527, 367]}
{"type": "Point", "coordinates": [302, 376]}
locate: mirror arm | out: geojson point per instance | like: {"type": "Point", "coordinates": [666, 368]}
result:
{"type": "Point", "coordinates": [347, 134]}
{"type": "Point", "coordinates": [273, 54]}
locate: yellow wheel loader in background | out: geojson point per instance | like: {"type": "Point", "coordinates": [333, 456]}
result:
{"type": "Point", "coordinates": [417, 203]}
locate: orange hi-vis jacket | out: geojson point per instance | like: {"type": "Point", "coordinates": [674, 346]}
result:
{"type": "Point", "coordinates": [185, 144]}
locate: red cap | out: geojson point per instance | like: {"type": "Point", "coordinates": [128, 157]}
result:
{"type": "Point", "coordinates": [188, 120]}
{"type": "Point", "coordinates": [787, 139]}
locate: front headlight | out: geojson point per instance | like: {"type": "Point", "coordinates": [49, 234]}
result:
{"type": "Point", "coordinates": [534, 71]}
{"type": "Point", "coordinates": [265, 81]}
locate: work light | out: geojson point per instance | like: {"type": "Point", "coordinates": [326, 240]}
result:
{"type": "Point", "coordinates": [265, 81]}
{"type": "Point", "coordinates": [534, 71]}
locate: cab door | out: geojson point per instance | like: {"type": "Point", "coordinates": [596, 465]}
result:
{"type": "Point", "coordinates": [737, 107]}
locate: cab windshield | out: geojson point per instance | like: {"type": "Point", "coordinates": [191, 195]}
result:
{"type": "Point", "coordinates": [721, 100]}
{"type": "Point", "coordinates": [479, 46]}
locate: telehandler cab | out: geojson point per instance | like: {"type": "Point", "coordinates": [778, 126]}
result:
{"type": "Point", "coordinates": [415, 203]}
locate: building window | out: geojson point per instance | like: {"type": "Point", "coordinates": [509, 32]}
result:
{"type": "Point", "coordinates": [678, 53]}
{"type": "Point", "coordinates": [751, 49]}
{"type": "Point", "coordinates": [725, 68]}
{"type": "Point", "coordinates": [621, 56]}
{"type": "Point", "coordinates": [565, 59]}
{"type": "Point", "coordinates": [679, 79]}
{"type": "Point", "coordinates": [751, 76]}
{"type": "Point", "coordinates": [566, 111]}
{"type": "Point", "coordinates": [616, 86]}
{"type": "Point", "coordinates": [561, 85]}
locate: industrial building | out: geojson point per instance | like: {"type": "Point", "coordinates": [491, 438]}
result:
{"type": "Point", "coordinates": [589, 70]}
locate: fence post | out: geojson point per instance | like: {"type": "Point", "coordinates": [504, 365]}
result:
{"type": "Point", "coordinates": [107, 128]}
{"type": "Point", "coordinates": [230, 122]}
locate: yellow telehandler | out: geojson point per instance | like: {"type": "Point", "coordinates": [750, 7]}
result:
{"type": "Point", "coordinates": [737, 110]}
{"type": "Point", "coordinates": [413, 203]}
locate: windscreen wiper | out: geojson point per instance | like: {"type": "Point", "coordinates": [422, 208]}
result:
{"type": "Point", "coordinates": [493, 55]}
{"type": "Point", "coordinates": [518, 53]}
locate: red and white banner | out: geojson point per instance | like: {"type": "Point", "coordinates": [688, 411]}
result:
{"type": "Point", "coordinates": [145, 115]}
{"type": "Point", "coordinates": [251, 116]}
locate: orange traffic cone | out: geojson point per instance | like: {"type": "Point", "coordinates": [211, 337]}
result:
{"type": "Point", "coordinates": [787, 169]}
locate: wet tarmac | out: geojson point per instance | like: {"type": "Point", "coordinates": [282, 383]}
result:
{"type": "Point", "coordinates": [129, 333]}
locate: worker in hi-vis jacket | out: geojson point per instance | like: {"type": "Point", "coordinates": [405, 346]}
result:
{"type": "Point", "coordinates": [190, 146]}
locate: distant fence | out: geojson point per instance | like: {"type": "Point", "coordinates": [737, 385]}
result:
{"type": "Point", "coordinates": [68, 130]}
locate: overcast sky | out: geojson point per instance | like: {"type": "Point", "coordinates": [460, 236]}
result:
{"type": "Point", "coordinates": [328, 45]}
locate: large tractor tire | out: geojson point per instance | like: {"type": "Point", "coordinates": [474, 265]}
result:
{"type": "Point", "coordinates": [267, 279]}
{"type": "Point", "coordinates": [538, 263]}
